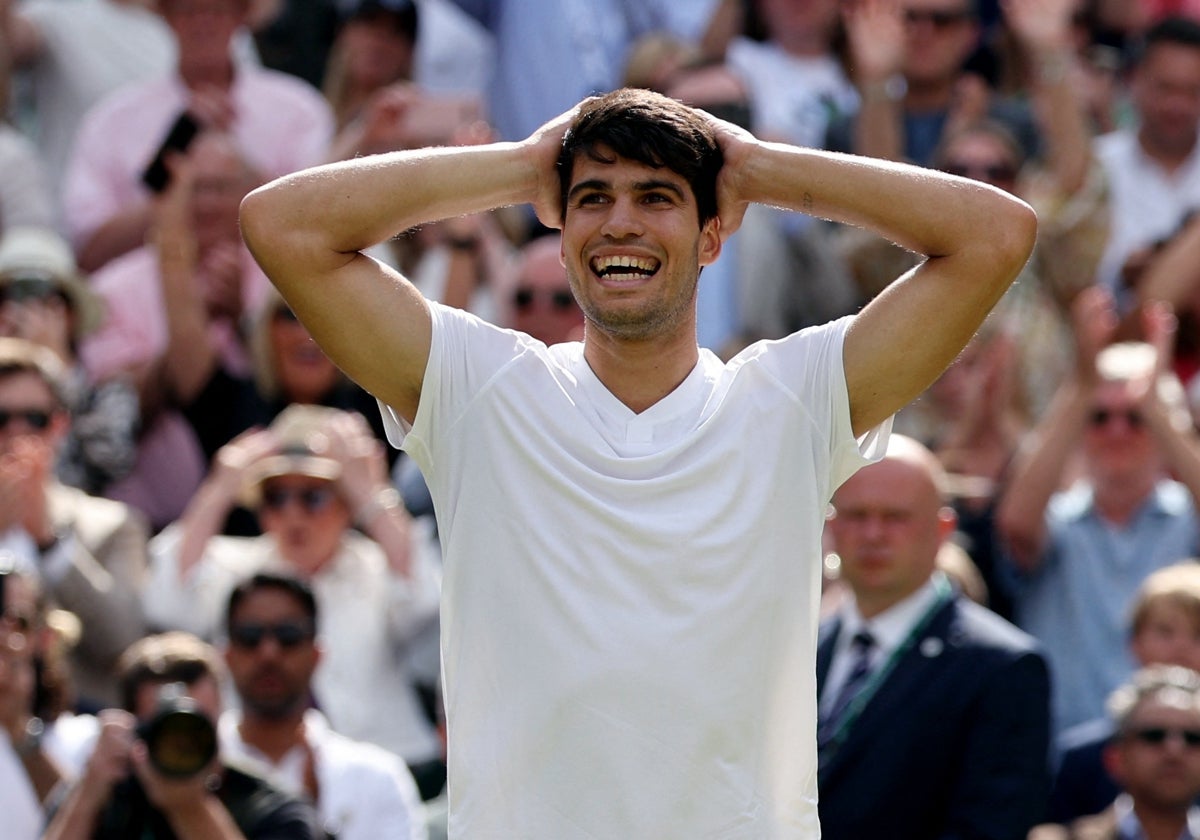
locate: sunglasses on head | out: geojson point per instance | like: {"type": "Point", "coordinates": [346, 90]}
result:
{"type": "Point", "coordinates": [33, 418]}
{"type": "Point", "coordinates": [940, 18]}
{"type": "Point", "coordinates": [1156, 735]}
{"type": "Point", "coordinates": [287, 634]}
{"type": "Point", "coordinates": [310, 499]}
{"type": "Point", "coordinates": [1101, 417]}
{"type": "Point", "coordinates": [560, 300]}
{"type": "Point", "coordinates": [987, 172]}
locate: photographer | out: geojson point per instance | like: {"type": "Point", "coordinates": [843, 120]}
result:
{"type": "Point", "coordinates": [129, 790]}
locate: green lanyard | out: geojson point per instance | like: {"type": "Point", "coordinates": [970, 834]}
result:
{"type": "Point", "coordinates": [944, 594]}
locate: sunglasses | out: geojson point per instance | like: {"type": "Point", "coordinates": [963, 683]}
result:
{"type": "Point", "coordinates": [310, 499]}
{"type": "Point", "coordinates": [21, 288]}
{"type": "Point", "coordinates": [287, 634]}
{"type": "Point", "coordinates": [1156, 735]}
{"type": "Point", "coordinates": [524, 299]}
{"type": "Point", "coordinates": [1101, 417]}
{"type": "Point", "coordinates": [986, 172]}
{"type": "Point", "coordinates": [940, 18]}
{"type": "Point", "coordinates": [33, 418]}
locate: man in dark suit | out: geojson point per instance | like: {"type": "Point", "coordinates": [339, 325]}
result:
{"type": "Point", "coordinates": [938, 726]}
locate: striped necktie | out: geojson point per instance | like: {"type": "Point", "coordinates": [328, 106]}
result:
{"type": "Point", "coordinates": [861, 647]}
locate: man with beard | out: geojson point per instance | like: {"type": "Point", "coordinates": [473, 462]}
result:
{"type": "Point", "coordinates": [360, 790]}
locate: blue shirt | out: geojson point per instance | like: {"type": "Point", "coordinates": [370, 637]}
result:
{"type": "Point", "coordinates": [1077, 602]}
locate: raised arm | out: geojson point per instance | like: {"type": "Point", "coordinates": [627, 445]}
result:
{"type": "Point", "coordinates": [975, 238]}
{"type": "Point", "coordinates": [307, 231]}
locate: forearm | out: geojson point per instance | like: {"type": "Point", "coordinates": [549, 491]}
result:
{"type": "Point", "coordinates": [77, 818]}
{"type": "Point", "coordinates": [1038, 473]}
{"type": "Point", "coordinates": [878, 128]}
{"type": "Point", "coordinates": [924, 211]}
{"type": "Point", "coordinates": [205, 819]}
{"type": "Point", "coordinates": [202, 520]}
{"type": "Point", "coordinates": [1178, 442]}
{"type": "Point", "coordinates": [316, 218]}
{"type": "Point", "coordinates": [1062, 116]}
{"type": "Point", "coordinates": [190, 359]}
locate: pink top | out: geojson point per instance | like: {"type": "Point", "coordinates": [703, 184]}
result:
{"type": "Point", "coordinates": [283, 124]}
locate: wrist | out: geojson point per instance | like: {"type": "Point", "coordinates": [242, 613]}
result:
{"type": "Point", "coordinates": [27, 737]}
{"type": "Point", "coordinates": [890, 88]}
{"type": "Point", "coordinates": [385, 499]}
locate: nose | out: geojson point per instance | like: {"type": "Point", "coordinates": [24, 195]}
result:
{"type": "Point", "coordinates": [623, 220]}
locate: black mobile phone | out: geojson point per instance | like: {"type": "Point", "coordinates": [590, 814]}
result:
{"type": "Point", "coordinates": [183, 132]}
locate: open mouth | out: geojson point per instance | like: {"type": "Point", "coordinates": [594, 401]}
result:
{"type": "Point", "coordinates": [623, 268]}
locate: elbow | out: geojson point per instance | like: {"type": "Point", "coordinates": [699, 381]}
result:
{"type": "Point", "coordinates": [1019, 227]}
{"type": "Point", "coordinates": [255, 217]}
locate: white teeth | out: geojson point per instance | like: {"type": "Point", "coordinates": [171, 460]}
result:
{"type": "Point", "coordinates": [609, 266]}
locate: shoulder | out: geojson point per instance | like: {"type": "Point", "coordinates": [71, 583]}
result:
{"type": "Point", "coordinates": [980, 628]}
{"type": "Point", "coordinates": [92, 515]}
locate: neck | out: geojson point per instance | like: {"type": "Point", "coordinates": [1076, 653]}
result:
{"type": "Point", "coordinates": [204, 74]}
{"type": "Point", "coordinates": [1118, 501]}
{"type": "Point", "coordinates": [640, 373]}
{"type": "Point", "coordinates": [273, 737]}
{"type": "Point", "coordinates": [1169, 157]}
{"type": "Point", "coordinates": [1160, 823]}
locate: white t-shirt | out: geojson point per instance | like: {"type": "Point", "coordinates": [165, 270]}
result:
{"type": "Point", "coordinates": [630, 600]}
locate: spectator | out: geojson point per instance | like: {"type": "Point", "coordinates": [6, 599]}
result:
{"type": "Point", "coordinates": [123, 794]}
{"type": "Point", "coordinates": [581, 50]}
{"type": "Point", "coordinates": [1153, 166]}
{"type": "Point", "coordinates": [196, 254]}
{"type": "Point", "coordinates": [28, 772]}
{"type": "Point", "coordinates": [272, 649]}
{"type": "Point", "coordinates": [1079, 546]}
{"type": "Point", "coordinates": [89, 553]}
{"type": "Point", "coordinates": [909, 61]}
{"type": "Point", "coordinates": [74, 55]}
{"type": "Point", "coordinates": [1164, 630]}
{"type": "Point", "coordinates": [310, 476]}
{"type": "Point", "coordinates": [281, 124]}
{"type": "Point", "coordinates": [948, 736]}
{"type": "Point", "coordinates": [44, 299]}
{"type": "Point", "coordinates": [1155, 755]}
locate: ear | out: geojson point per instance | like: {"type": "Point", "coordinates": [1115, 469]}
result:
{"type": "Point", "coordinates": [947, 522]}
{"type": "Point", "coordinates": [710, 242]}
{"type": "Point", "coordinates": [1113, 760]}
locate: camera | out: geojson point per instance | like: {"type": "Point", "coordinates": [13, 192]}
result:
{"type": "Point", "coordinates": [180, 738]}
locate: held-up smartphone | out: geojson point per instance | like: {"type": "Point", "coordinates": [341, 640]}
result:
{"type": "Point", "coordinates": [183, 132]}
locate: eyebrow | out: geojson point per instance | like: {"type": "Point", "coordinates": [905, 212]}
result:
{"type": "Point", "coordinates": [639, 186]}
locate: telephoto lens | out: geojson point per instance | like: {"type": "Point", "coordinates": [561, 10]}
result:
{"type": "Point", "coordinates": [180, 739]}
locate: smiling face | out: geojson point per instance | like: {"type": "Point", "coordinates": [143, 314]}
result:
{"type": "Point", "coordinates": [633, 246]}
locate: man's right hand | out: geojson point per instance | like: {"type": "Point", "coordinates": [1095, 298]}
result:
{"type": "Point", "coordinates": [543, 147]}
{"type": "Point", "coordinates": [109, 762]}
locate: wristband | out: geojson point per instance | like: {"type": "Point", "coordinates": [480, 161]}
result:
{"type": "Point", "coordinates": [31, 740]}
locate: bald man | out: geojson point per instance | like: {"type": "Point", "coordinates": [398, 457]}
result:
{"type": "Point", "coordinates": [934, 716]}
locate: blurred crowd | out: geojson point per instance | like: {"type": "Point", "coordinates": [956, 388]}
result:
{"type": "Point", "coordinates": [192, 493]}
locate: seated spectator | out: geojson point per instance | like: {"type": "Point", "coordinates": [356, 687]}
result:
{"type": "Point", "coordinates": [1164, 630]}
{"type": "Point", "coordinates": [88, 553]}
{"type": "Point", "coordinates": [196, 254]}
{"type": "Point", "coordinates": [932, 709]}
{"type": "Point", "coordinates": [29, 772]}
{"type": "Point", "coordinates": [1091, 508]}
{"type": "Point", "coordinates": [280, 123]}
{"type": "Point", "coordinates": [44, 299]}
{"type": "Point", "coordinates": [124, 793]}
{"type": "Point", "coordinates": [369, 84]}
{"type": "Point", "coordinates": [1154, 755]}
{"type": "Point", "coordinates": [272, 648]}
{"type": "Point", "coordinates": [310, 476]}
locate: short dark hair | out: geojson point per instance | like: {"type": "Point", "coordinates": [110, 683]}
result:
{"type": "Point", "coordinates": [1177, 30]}
{"type": "Point", "coordinates": [290, 584]}
{"type": "Point", "coordinates": [169, 657]}
{"type": "Point", "coordinates": [651, 129]}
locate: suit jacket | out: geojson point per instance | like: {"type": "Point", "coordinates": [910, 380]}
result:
{"type": "Point", "coordinates": [106, 556]}
{"type": "Point", "coordinates": [955, 741]}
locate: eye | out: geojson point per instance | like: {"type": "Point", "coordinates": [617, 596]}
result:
{"type": "Point", "coordinates": [591, 198]}
{"type": "Point", "coordinates": [657, 198]}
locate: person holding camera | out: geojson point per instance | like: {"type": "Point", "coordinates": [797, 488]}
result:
{"type": "Point", "coordinates": [155, 771]}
